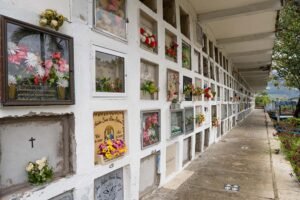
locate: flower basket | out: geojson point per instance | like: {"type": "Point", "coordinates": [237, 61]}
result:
{"type": "Point", "coordinates": [111, 150]}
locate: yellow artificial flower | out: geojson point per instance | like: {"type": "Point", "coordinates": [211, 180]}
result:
{"type": "Point", "coordinates": [29, 167]}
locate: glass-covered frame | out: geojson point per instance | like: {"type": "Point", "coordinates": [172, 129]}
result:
{"type": "Point", "coordinates": [186, 54]}
{"type": "Point", "coordinates": [176, 123]}
{"type": "Point", "coordinates": [111, 19]}
{"type": "Point", "coordinates": [189, 120]}
{"type": "Point", "coordinates": [36, 65]}
{"type": "Point", "coordinates": [112, 81]}
{"type": "Point", "coordinates": [150, 128]}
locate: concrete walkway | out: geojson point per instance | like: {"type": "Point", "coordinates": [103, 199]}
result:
{"type": "Point", "coordinates": [243, 157]}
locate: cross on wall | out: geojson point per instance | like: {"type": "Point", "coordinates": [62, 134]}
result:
{"type": "Point", "coordinates": [32, 140]}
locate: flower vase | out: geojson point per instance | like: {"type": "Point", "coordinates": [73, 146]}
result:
{"type": "Point", "coordinates": [61, 93]}
{"type": "Point", "coordinates": [12, 91]}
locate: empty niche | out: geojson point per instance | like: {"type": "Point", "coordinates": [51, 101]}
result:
{"type": "Point", "coordinates": [149, 81]}
{"type": "Point", "coordinates": [64, 196]}
{"type": "Point", "coordinates": [216, 55]}
{"type": "Point", "coordinates": [186, 56]}
{"type": "Point", "coordinates": [198, 60]}
{"type": "Point", "coordinates": [187, 88]}
{"type": "Point", "coordinates": [171, 159]}
{"type": "Point", "coordinates": [148, 33]}
{"type": "Point", "coordinates": [189, 120]}
{"type": "Point", "coordinates": [184, 23]}
{"type": "Point", "coordinates": [204, 48]}
{"type": "Point", "coordinates": [205, 67]}
{"type": "Point", "coordinates": [217, 74]}
{"type": "Point", "coordinates": [221, 60]}
{"type": "Point", "coordinates": [110, 186]}
{"type": "Point", "coordinates": [149, 174]}
{"type": "Point", "coordinates": [222, 128]}
{"type": "Point", "coordinates": [218, 93]}
{"type": "Point", "coordinates": [28, 139]}
{"type": "Point", "coordinates": [211, 49]}
{"type": "Point", "coordinates": [169, 12]}
{"type": "Point", "coordinates": [224, 111]}
{"type": "Point", "coordinates": [172, 85]}
{"type": "Point", "coordinates": [206, 137]}
{"type": "Point", "coordinates": [212, 70]}
{"type": "Point", "coordinates": [187, 150]}
{"type": "Point", "coordinates": [152, 4]}
{"type": "Point", "coordinates": [171, 46]}
{"type": "Point", "coordinates": [177, 123]}
{"type": "Point", "coordinates": [198, 143]}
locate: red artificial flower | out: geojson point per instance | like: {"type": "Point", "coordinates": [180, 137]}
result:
{"type": "Point", "coordinates": [142, 31]}
{"type": "Point", "coordinates": [56, 55]}
{"type": "Point", "coordinates": [36, 80]}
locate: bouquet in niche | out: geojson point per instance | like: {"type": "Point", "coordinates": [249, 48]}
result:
{"type": "Point", "coordinates": [39, 172]}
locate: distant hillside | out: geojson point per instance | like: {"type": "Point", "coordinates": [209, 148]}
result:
{"type": "Point", "coordinates": [282, 92]}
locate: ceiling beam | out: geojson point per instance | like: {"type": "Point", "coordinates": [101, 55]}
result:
{"type": "Point", "coordinates": [250, 53]}
{"type": "Point", "coordinates": [245, 38]}
{"type": "Point", "coordinates": [268, 5]}
{"type": "Point", "coordinates": [257, 69]}
{"type": "Point", "coordinates": [251, 64]}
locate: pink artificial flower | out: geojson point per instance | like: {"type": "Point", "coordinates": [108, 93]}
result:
{"type": "Point", "coordinates": [63, 66]}
{"type": "Point", "coordinates": [14, 59]}
{"type": "Point", "coordinates": [56, 55]}
{"type": "Point", "coordinates": [48, 64]}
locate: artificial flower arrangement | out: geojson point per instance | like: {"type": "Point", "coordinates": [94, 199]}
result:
{"type": "Point", "coordinates": [208, 93]}
{"type": "Point", "coordinates": [198, 91]}
{"type": "Point", "coordinates": [149, 87]}
{"type": "Point", "coordinates": [52, 19]}
{"type": "Point", "coordinates": [32, 71]}
{"type": "Point", "coordinates": [148, 38]}
{"type": "Point", "coordinates": [215, 122]}
{"type": "Point", "coordinates": [171, 51]}
{"type": "Point", "coordinates": [186, 60]}
{"type": "Point", "coordinates": [39, 172]}
{"type": "Point", "coordinates": [111, 149]}
{"type": "Point", "coordinates": [188, 89]}
{"type": "Point", "coordinates": [200, 118]}
{"type": "Point", "coordinates": [108, 85]}
{"type": "Point", "coordinates": [150, 130]}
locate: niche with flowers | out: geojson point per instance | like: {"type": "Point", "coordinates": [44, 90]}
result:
{"type": "Point", "coordinates": [109, 135]}
{"type": "Point", "coordinates": [148, 33]}
{"type": "Point", "coordinates": [150, 128]}
{"type": "Point", "coordinates": [171, 46]}
{"type": "Point", "coordinates": [186, 56]}
{"type": "Point", "coordinates": [36, 64]}
{"type": "Point", "coordinates": [149, 81]}
{"type": "Point", "coordinates": [109, 72]}
{"type": "Point", "coordinates": [110, 17]}
{"type": "Point", "coordinates": [188, 88]}
{"type": "Point", "coordinates": [172, 85]}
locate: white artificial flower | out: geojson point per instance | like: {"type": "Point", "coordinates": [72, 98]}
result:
{"type": "Point", "coordinates": [12, 48]}
{"type": "Point", "coordinates": [29, 167]}
{"type": "Point", "coordinates": [60, 75]}
{"type": "Point", "coordinates": [41, 163]}
{"type": "Point", "coordinates": [12, 80]}
{"type": "Point", "coordinates": [40, 71]}
{"type": "Point", "coordinates": [63, 83]}
{"type": "Point", "coordinates": [32, 60]}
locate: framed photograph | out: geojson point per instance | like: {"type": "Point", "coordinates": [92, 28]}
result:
{"type": "Point", "coordinates": [110, 17]}
{"type": "Point", "coordinates": [150, 122]}
{"type": "Point", "coordinates": [109, 73]}
{"type": "Point", "coordinates": [36, 65]}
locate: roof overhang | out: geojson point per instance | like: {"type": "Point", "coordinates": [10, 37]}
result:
{"type": "Point", "coordinates": [245, 30]}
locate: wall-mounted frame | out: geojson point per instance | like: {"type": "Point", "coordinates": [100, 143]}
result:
{"type": "Point", "coordinates": [110, 19]}
{"type": "Point", "coordinates": [172, 85]}
{"type": "Point", "coordinates": [36, 65]}
{"type": "Point", "coordinates": [189, 120]}
{"type": "Point", "coordinates": [186, 56]}
{"type": "Point", "coordinates": [148, 33]}
{"type": "Point", "coordinates": [108, 126]}
{"type": "Point", "coordinates": [150, 128]}
{"type": "Point", "coordinates": [171, 46]}
{"type": "Point", "coordinates": [109, 73]}
{"type": "Point", "coordinates": [177, 123]}
{"type": "Point", "coordinates": [187, 83]}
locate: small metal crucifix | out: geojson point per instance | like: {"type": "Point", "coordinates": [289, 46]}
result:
{"type": "Point", "coordinates": [31, 140]}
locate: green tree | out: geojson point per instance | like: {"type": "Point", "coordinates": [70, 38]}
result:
{"type": "Point", "coordinates": [286, 54]}
{"type": "Point", "coordinates": [262, 99]}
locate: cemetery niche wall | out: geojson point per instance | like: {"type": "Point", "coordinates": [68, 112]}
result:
{"type": "Point", "coordinates": [109, 133]}
{"type": "Point", "coordinates": [31, 138]}
{"type": "Point", "coordinates": [37, 65]}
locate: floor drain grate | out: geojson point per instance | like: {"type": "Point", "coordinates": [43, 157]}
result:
{"type": "Point", "coordinates": [233, 188]}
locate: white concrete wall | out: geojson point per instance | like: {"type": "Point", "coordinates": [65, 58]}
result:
{"type": "Point", "coordinates": [79, 26]}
